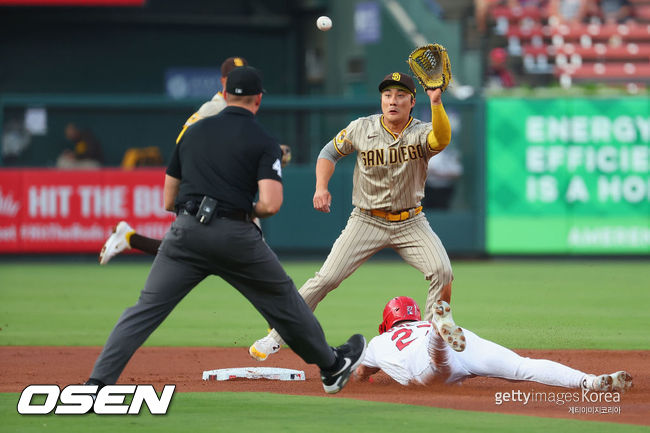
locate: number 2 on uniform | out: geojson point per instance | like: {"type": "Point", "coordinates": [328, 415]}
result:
{"type": "Point", "coordinates": [401, 335]}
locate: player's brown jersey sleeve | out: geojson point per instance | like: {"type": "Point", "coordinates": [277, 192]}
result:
{"type": "Point", "coordinates": [345, 139]}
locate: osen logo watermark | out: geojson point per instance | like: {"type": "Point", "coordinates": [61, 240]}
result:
{"type": "Point", "coordinates": [81, 399]}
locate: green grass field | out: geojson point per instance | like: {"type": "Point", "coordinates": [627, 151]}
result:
{"type": "Point", "coordinates": [560, 304]}
{"type": "Point", "coordinates": [238, 412]}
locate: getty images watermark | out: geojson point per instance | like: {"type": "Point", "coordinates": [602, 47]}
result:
{"type": "Point", "coordinates": [81, 399]}
{"type": "Point", "coordinates": [598, 401]}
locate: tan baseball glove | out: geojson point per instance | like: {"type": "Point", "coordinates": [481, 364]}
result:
{"type": "Point", "coordinates": [286, 154]}
{"type": "Point", "coordinates": [431, 66]}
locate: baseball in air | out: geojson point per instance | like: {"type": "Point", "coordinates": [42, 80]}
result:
{"type": "Point", "coordinates": [324, 23]}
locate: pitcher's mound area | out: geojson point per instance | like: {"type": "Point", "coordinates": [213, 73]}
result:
{"type": "Point", "coordinates": [183, 366]}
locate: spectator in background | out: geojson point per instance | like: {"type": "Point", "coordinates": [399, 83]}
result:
{"type": "Point", "coordinates": [86, 150]}
{"type": "Point", "coordinates": [481, 10]}
{"type": "Point", "coordinates": [15, 140]}
{"type": "Point", "coordinates": [442, 174]}
{"type": "Point", "coordinates": [499, 75]}
{"type": "Point", "coordinates": [444, 171]}
{"type": "Point", "coordinates": [568, 11]}
{"type": "Point", "coordinates": [611, 11]}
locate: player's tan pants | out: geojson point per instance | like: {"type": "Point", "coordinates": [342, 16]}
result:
{"type": "Point", "coordinates": [364, 236]}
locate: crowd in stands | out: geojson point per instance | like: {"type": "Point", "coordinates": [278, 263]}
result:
{"type": "Point", "coordinates": [571, 40]}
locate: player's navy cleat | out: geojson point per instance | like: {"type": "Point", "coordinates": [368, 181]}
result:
{"type": "Point", "coordinates": [262, 348]}
{"type": "Point", "coordinates": [117, 242]}
{"type": "Point", "coordinates": [352, 354]}
{"type": "Point", "coordinates": [452, 335]}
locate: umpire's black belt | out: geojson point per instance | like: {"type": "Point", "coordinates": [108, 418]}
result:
{"type": "Point", "coordinates": [192, 207]}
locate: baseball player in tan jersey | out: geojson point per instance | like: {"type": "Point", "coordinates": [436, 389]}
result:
{"type": "Point", "coordinates": [393, 150]}
{"type": "Point", "coordinates": [124, 236]}
{"type": "Point", "coordinates": [217, 103]}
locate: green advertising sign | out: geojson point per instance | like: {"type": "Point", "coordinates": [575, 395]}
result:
{"type": "Point", "coordinates": [568, 176]}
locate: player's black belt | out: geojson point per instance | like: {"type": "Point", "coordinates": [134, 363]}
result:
{"type": "Point", "coordinates": [192, 207]}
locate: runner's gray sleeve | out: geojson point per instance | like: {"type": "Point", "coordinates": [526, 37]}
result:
{"type": "Point", "coordinates": [329, 152]}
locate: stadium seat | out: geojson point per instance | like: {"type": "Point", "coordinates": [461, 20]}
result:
{"type": "Point", "coordinates": [642, 12]}
{"type": "Point", "coordinates": [608, 32]}
{"type": "Point", "coordinates": [629, 51]}
{"type": "Point", "coordinates": [582, 52]}
{"type": "Point", "coordinates": [639, 72]}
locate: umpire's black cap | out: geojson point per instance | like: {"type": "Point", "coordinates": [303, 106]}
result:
{"type": "Point", "coordinates": [399, 79]}
{"type": "Point", "coordinates": [245, 80]}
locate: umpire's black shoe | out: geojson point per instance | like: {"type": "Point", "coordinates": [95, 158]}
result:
{"type": "Point", "coordinates": [349, 357]}
{"type": "Point", "coordinates": [100, 385]}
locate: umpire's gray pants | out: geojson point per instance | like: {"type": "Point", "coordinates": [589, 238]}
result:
{"type": "Point", "coordinates": [235, 251]}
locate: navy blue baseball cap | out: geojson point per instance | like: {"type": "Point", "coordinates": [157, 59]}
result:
{"type": "Point", "coordinates": [399, 80]}
{"type": "Point", "coordinates": [244, 80]}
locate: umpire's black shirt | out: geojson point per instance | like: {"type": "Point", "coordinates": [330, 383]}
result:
{"type": "Point", "coordinates": [223, 157]}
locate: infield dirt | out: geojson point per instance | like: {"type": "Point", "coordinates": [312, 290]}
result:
{"type": "Point", "coordinates": [183, 366]}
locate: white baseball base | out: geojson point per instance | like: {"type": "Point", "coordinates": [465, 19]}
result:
{"type": "Point", "coordinates": [271, 373]}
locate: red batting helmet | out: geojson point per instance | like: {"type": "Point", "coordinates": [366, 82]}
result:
{"type": "Point", "coordinates": [398, 309]}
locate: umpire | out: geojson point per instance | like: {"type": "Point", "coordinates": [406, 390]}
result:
{"type": "Point", "coordinates": [217, 168]}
